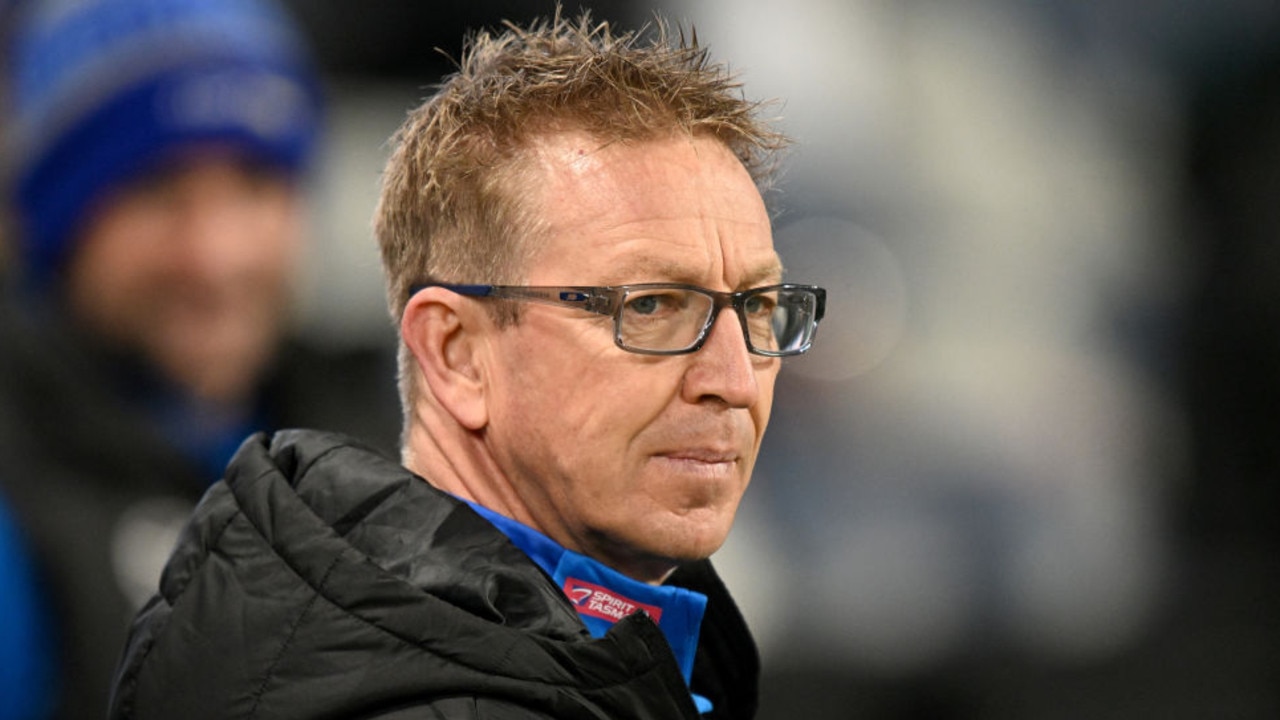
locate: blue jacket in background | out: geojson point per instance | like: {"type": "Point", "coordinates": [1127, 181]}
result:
{"type": "Point", "coordinates": [26, 653]}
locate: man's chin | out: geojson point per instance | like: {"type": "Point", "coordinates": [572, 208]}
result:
{"type": "Point", "coordinates": [655, 556]}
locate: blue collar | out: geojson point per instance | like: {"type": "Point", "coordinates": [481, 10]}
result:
{"type": "Point", "coordinates": [602, 596]}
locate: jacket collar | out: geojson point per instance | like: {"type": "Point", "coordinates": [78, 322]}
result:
{"type": "Point", "coordinates": [602, 596]}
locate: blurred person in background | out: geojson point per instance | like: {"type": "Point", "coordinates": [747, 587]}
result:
{"type": "Point", "coordinates": [579, 429]}
{"type": "Point", "coordinates": [156, 153]}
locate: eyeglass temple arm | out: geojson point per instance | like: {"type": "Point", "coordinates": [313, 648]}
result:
{"type": "Point", "coordinates": [592, 299]}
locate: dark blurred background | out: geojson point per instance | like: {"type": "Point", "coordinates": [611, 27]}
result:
{"type": "Point", "coordinates": [1029, 471]}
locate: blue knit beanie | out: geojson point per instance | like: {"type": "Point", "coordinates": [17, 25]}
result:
{"type": "Point", "coordinates": [103, 89]}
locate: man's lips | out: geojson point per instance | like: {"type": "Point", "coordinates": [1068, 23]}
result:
{"type": "Point", "coordinates": [700, 444]}
{"type": "Point", "coordinates": [705, 462]}
{"type": "Point", "coordinates": [710, 456]}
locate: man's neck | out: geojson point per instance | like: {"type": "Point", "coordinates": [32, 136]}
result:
{"type": "Point", "coordinates": [458, 462]}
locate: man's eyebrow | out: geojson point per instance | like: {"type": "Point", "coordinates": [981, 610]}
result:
{"type": "Point", "coordinates": [771, 271]}
{"type": "Point", "coordinates": [653, 269]}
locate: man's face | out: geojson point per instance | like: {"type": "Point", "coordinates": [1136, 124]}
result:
{"type": "Point", "coordinates": [191, 266]}
{"type": "Point", "coordinates": [637, 460]}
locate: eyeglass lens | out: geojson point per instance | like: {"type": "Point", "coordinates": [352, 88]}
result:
{"type": "Point", "coordinates": [665, 319]}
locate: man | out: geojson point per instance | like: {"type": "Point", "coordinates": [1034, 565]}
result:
{"type": "Point", "coordinates": [156, 152]}
{"type": "Point", "coordinates": [592, 321]}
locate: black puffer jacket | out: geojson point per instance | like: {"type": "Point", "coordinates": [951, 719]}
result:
{"type": "Point", "coordinates": [321, 580]}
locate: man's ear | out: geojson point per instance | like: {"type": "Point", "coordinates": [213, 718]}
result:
{"type": "Point", "coordinates": [444, 335]}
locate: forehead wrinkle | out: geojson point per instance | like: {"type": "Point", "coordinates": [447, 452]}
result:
{"type": "Point", "coordinates": [647, 268]}
{"type": "Point", "coordinates": [651, 269]}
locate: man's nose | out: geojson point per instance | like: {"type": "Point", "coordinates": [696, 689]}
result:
{"type": "Point", "coordinates": [723, 368]}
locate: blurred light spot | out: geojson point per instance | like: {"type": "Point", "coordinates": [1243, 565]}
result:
{"type": "Point", "coordinates": [866, 294]}
{"type": "Point", "coordinates": [141, 543]}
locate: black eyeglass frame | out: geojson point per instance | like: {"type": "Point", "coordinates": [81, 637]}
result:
{"type": "Point", "coordinates": [607, 300]}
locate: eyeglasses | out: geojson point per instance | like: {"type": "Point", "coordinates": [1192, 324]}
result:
{"type": "Point", "coordinates": [672, 319]}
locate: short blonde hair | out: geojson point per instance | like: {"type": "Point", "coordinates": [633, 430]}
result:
{"type": "Point", "coordinates": [451, 207]}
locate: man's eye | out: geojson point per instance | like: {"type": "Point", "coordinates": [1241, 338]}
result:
{"type": "Point", "coordinates": [644, 305]}
{"type": "Point", "coordinates": [759, 305]}
{"type": "Point", "coordinates": [654, 303]}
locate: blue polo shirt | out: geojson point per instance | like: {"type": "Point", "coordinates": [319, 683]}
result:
{"type": "Point", "coordinates": [603, 596]}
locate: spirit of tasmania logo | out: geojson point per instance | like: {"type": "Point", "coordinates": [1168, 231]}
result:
{"type": "Point", "coordinates": [600, 602]}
